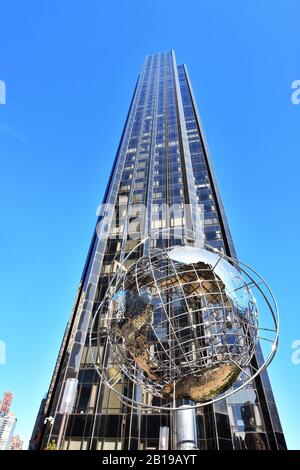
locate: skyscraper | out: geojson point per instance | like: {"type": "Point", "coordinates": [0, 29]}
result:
{"type": "Point", "coordinates": [5, 403]}
{"type": "Point", "coordinates": [8, 421]}
{"type": "Point", "coordinates": [162, 177]}
{"type": "Point", "coordinates": [7, 427]}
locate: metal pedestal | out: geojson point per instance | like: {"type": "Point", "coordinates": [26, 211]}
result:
{"type": "Point", "coordinates": [184, 426]}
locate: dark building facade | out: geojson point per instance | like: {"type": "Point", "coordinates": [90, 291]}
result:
{"type": "Point", "coordinates": [162, 158]}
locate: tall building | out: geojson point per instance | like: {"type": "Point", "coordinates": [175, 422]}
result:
{"type": "Point", "coordinates": [5, 403]}
{"type": "Point", "coordinates": [8, 421]}
{"type": "Point", "coordinates": [7, 426]}
{"type": "Point", "coordinates": [162, 160]}
{"type": "Point", "coordinates": [38, 426]}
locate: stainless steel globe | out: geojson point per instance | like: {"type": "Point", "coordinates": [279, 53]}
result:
{"type": "Point", "coordinates": [181, 322]}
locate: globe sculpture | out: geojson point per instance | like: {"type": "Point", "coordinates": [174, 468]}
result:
{"type": "Point", "coordinates": [180, 322]}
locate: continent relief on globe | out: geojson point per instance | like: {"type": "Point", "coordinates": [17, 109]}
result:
{"type": "Point", "coordinates": [136, 330]}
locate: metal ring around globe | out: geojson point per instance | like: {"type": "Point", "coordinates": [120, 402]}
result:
{"type": "Point", "coordinates": [241, 267]}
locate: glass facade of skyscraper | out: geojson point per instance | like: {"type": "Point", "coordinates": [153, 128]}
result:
{"type": "Point", "coordinates": [162, 178]}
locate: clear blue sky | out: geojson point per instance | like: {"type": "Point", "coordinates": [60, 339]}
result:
{"type": "Point", "coordinates": [70, 68]}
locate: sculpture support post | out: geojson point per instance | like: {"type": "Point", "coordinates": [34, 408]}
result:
{"type": "Point", "coordinates": [163, 438]}
{"type": "Point", "coordinates": [184, 426]}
